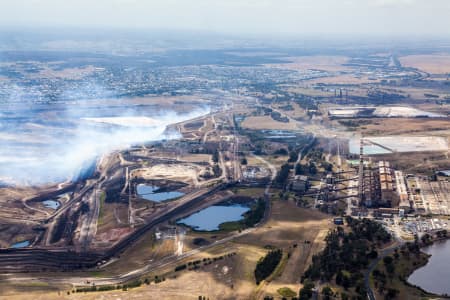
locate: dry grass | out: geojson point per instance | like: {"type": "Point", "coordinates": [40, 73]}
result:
{"type": "Point", "coordinates": [298, 112]}
{"type": "Point", "coordinates": [325, 63]}
{"type": "Point", "coordinates": [343, 79]}
{"type": "Point", "coordinates": [431, 63]}
{"type": "Point", "coordinates": [230, 278]}
{"type": "Point", "coordinates": [309, 91]}
{"type": "Point", "coordinates": [146, 249]}
{"type": "Point", "coordinates": [196, 158]}
{"type": "Point", "coordinates": [68, 73]}
{"type": "Point", "coordinates": [266, 122]}
{"type": "Point", "coordinates": [394, 126]}
{"type": "Point", "coordinates": [290, 225]}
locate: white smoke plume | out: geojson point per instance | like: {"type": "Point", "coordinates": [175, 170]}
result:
{"type": "Point", "coordinates": [49, 152]}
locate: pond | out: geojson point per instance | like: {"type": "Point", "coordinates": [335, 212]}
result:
{"type": "Point", "coordinates": [21, 244]}
{"type": "Point", "coordinates": [53, 204]}
{"type": "Point", "coordinates": [434, 276]}
{"type": "Point", "coordinates": [210, 218]}
{"type": "Point", "coordinates": [150, 192]}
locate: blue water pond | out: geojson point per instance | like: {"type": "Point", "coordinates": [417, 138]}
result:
{"type": "Point", "coordinates": [149, 192]}
{"type": "Point", "coordinates": [210, 218]}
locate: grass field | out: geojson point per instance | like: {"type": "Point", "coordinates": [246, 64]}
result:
{"type": "Point", "coordinates": [266, 122]}
{"type": "Point", "coordinates": [316, 62]}
{"type": "Point", "coordinates": [290, 225]}
{"type": "Point", "coordinates": [431, 63]}
{"type": "Point", "coordinates": [392, 126]}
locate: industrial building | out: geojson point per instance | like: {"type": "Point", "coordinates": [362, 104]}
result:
{"type": "Point", "coordinates": [300, 183]}
{"type": "Point", "coordinates": [386, 184]}
{"type": "Point", "coordinates": [402, 191]}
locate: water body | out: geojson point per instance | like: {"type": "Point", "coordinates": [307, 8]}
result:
{"type": "Point", "coordinates": [21, 244]}
{"type": "Point", "coordinates": [354, 145]}
{"type": "Point", "coordinates": [149, 192]}
{"type": "Point", "coordinates": [210, 218]}
{"type": "Point", "coordinates": [434, 276]}
{"type": "Point", "coordinates": [53, 204]}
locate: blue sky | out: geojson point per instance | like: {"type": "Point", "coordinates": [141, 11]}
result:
{"type": "Point", "coordinates": [393, 17]}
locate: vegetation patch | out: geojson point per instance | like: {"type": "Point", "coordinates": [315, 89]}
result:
{"type": "Point", "coordinates": [286, 292]}
{"type": "Point", "coordinates": [251, 218]}
{"type": "Point", "coordinates": [389, 279]}
{"type": "Point", "coordinates": [348, 254]}
{"type": "Point", "coordinates": [267, 264]}
{"type": "Point", "coordinates": [101, 210]}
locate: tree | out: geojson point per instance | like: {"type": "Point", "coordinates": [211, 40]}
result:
{"type": "Point", "coordinates": [327, 292]}
{"type": "Point", "coordinates": [306, 292]}
{"type": "Point", "coordinates": [283, 175]}
{"type": "Point", "coordinates": [347, 253]}
{"type": "Point", "coordinates": [293, 156]}
{"type": "Point", "coordinates": [215, 156]}
{"type": "Point", "coordinates": [267, 265]}
{"type": "Point", "coordinates": [281, 151]}
{"type": "Point", "coordinates": [391, 294]}
{"type": "Point", "coordinates": [299, 170]}
{"type": "Point", "coordinates": [373, 254]}
{"type": "Point", "coordinates": [387, 260]}
{"type": "Point", "coordinates": [312, 168]}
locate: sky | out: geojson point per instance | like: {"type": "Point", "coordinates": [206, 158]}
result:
{"type": "Point", "coordinates": [287, 17]}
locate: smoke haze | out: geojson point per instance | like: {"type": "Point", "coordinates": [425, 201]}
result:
{"type": "Point", "coordinates": [34, 150]}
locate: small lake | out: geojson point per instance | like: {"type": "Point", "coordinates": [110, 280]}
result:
{"type": "Point", "coordinates": [21, 244]}
{"type": "Point", "coordinates": [434, 276]}
{"type": "Point", "coordinates": [150, 192]}
{"type": "Point", "coordinates": [53, 204]}
{"type": "Point", "coordinates": [210, 218]}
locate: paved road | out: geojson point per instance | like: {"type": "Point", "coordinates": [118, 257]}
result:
{"type": "Point", "coordinates": [273, 171]}
{"type": "Point", "coordinates": [372, 266]}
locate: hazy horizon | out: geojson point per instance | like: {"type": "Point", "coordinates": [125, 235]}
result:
{"type": "Point", "coordinates": [246, 17]}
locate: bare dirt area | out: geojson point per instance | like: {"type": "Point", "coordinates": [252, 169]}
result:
{"type": "Point", "coordinates": [296, 113]}
{"type": "Point", "coordinates": [179, 104]}
{"type": "Point", "coordinates": [266, 122]}
{"type": "Point", "coordinates": [15, 233]}
{"type": "Point", "coordinates": [344, 79]}
{"type": "Point", "coordinates": [431, 63]}
{"type": "Point", "coordinates": [196, 158]}
{"type": "Point", "coordinates": [306, 90]}
{"type": "Point", "coordinates": [189, 285]}
{"type": "Point", "coordinates": [145, 250]}
{"type": "Point", "coordinates": [32, 290]}
{"type": "Point", "coordinates": [391, 126]}
{"type": "Point", "coordinates": [420, 162]}
{"type": "Point", "coordinates": [179, 172]}
{"type": "Point", "coordinates": [68, 73]}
